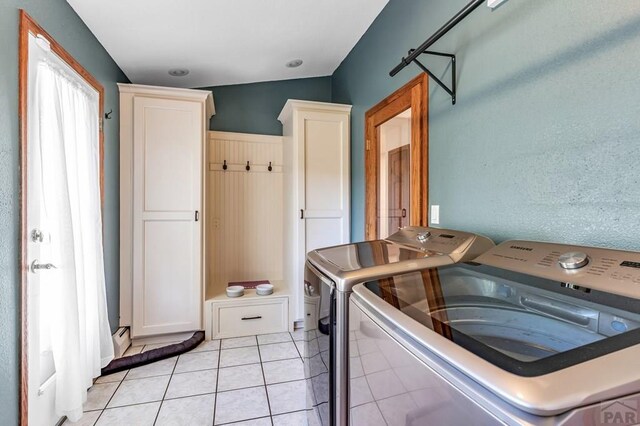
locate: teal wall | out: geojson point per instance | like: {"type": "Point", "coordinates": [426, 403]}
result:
{"type": "Point", "coordinates": [544, 142]}
{"type": "Point", "coordinates": [57, 18]}
{"type": "Point", "coordinates": [254, 108]}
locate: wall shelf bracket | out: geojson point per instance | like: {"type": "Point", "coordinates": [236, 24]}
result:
{"type": "Point", "coordinates": [450, 90]}
{"type": "Point", "coordinates": [415, 53]}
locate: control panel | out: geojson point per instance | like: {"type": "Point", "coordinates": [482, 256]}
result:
{"type": "Point", "coordinates": [411, 249]}
{"type": "Point", "coordinates": [436, 240]}
{"type": "Point", "coordinates": [576, 267]}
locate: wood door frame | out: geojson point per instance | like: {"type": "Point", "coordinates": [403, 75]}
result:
{"type": "Point", "coordinates": [29, 26]}
{"type": "Point", "coordinates": [412, 95]}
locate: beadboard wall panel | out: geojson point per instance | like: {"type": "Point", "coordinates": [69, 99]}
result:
{"type": "Point", "coordinates": [245, 209]}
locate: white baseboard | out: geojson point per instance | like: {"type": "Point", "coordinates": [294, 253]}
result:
{"type": "Point", "coordinates": [121, 341]}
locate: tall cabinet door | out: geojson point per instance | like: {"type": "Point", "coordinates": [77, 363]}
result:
{"type": "Point", "coordinates": [325, 181]}
{"type": "Point", "coordinates": [316, 186]}
{"type": "Point", "coordinates": [167, 192]}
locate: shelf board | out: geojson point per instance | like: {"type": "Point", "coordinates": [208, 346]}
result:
{"type": "Point", "coordinates": [221, 295]}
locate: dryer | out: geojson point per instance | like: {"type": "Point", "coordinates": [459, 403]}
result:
{"type": "Point", "coordinates": [529, 333]}
{"type": "Point", "coordinates": [330, 275]}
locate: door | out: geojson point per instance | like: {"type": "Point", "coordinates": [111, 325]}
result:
{"type": "Point", "coordinates": [396, 161]}
{"type": "Point", "coordinates": [324, 187]}
{"type": "Point", "coordinates": [398, 187]}
{"type": "Point", "coordinates": [36, 238]}
{"type": "Point", "coordinates": [41, 364]}
{"type": "Point", "coordinates": [42, 379]}
{"type": "Point", "coordinates": [43, 263]}
{"type": "Point", "coordinates": [167, 185]}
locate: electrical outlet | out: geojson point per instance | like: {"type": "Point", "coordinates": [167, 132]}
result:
{"type": "Point", "coordinates": [216, 223]}
{"type": "Point", "coordinates": [435, 214]}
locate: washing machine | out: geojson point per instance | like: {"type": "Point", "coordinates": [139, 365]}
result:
{"type": "Point", "coordinates": [330, 275]}
{"type": "Point", "coordinates": [529, 333]}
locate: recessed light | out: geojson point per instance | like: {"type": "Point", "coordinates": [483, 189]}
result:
{"type": "Point", "coordinates": [178, 72]}
{"type": "Point", "coordinates": [294, 64]}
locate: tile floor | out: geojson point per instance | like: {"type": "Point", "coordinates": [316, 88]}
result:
{"type": "Point", "coordinates": [256, 380]}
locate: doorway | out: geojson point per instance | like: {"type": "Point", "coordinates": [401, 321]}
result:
{"type": "Point", "coordinates": [66, 337]}
{"type": "Point", "coordinates": [396, 161]}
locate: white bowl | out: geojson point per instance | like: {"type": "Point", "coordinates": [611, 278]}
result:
{"type": "Point", "coordinates": [264, 289]}
{"type": "Point", "coordinates": [235, 291]}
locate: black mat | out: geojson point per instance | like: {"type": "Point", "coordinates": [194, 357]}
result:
{"type": "Point", "coordinates": [153, 355]}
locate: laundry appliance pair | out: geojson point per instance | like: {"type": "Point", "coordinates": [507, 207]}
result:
{"type": "Point", "coordinates": [435, 326]}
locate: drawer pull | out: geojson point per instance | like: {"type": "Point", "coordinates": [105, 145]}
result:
{"type": "Point", "coordinates": [251, 318]}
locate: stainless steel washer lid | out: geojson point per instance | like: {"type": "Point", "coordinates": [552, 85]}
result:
{"type": "Point", "coordinates": [599, 379]}
{"type": "Point", "coordinates": [537, 344]}
{"type": "Point", "coordinates": [410, 249]}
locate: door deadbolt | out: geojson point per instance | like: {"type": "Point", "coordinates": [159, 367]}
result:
{"type": "Point", "coordinates": [37, 236]}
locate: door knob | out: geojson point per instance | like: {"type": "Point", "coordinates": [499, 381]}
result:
{"type": "Point", "coordinates": [35, 266]}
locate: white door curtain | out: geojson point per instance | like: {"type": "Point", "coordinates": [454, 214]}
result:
{"type": "Point", "coordinates": [74, 322]}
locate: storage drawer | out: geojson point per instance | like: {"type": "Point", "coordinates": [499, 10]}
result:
{"type": "Point", "coordinates": [244, 318]}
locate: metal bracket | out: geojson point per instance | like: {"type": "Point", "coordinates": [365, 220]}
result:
{"type": "Point", "coordinates": [451, 91]}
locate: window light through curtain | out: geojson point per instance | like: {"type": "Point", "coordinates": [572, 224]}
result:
{"type": "Point", "coordinates": [64, 133]}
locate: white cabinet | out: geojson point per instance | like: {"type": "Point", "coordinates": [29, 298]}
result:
{"type": "Point", "coordinates": [161, 199]}
{"type": "Point", "coordinates": [316, 185]}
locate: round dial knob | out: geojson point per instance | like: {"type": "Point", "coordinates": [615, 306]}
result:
{"type": "Point", "coordinates": [573, 260]}
{"type": "Point", "coordinates": [423, 236]}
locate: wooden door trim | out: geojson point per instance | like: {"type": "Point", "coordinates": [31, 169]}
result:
{"type": "Point", "coordinates": [29, 26]}
{"type": "Point", "coordinates": [412, 95]}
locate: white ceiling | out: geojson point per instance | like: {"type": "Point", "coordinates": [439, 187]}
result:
{"type": "Point", "coordinates": [226, 41]}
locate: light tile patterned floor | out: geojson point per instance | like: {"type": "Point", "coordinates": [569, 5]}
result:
{"type": "Point", "coordinates": [256, 380]}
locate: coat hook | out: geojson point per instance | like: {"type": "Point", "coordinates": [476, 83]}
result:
{"type": "Point", "coordinates": [269, 168]}
{"type": "Point", "coordinates": [224, 165]}
{"type": "Point", "coordinates": [107, 116]}
{"type": "Point", "coordinates": [248, 167]}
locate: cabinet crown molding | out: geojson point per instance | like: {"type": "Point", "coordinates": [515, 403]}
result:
{"type": "Point", "coordinates": [244, 137]}
{"type": "Point", "coordinates": [295, 104]}
{"type": "Point", "coordinates": [172, 93]}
